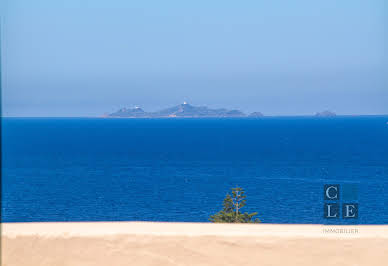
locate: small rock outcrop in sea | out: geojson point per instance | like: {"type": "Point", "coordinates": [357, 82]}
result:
{"type": "Point", "coordinates": [256, 115]}
{"type": "Point", "coordinates": [182, 110]}
{"type": "Point", "coordinates": [325, 114]}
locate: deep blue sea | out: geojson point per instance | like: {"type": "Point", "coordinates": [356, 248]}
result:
{"type": "Point", "coordinates": [81, 169]}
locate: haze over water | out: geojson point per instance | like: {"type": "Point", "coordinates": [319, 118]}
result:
{"type": "Point", "coordinates": [84, 58]}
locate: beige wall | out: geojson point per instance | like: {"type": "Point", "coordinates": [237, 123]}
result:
{"type": "Point", "coordinates": [191, 244]}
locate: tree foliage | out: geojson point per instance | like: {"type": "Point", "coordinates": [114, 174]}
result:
{"type": "Point", "coordinates": [231, 212]}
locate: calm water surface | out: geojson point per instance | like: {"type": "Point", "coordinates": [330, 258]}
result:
{"type": "Point", "coordinates": [180, 169]}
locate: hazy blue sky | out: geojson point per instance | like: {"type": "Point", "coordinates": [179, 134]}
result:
{"type": "Point", "coordinates": [74, 58]}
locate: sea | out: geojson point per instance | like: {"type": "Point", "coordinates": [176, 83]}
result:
{"type": "Point", "coordinates": [96, 169]}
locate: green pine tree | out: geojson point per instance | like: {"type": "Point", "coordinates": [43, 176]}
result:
{"type": "Point", "coordinates": [231, 212]}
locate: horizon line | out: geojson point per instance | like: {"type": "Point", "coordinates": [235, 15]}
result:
{"type": "Point", "coordinates": [102, 116]}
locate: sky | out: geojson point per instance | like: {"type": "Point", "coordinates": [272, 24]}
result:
{"type": "Point", "coordinates": [87, 58]}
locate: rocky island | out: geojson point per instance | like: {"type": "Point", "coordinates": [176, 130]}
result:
{"type": "Point", "coordinates": [184, 110]}
{"type": "Point", "coordinates": [256, 115]}
{"type": "Point", "coordinates": [325, 114]}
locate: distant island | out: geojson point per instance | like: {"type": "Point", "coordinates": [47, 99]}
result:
{"type": "Point", "coordinates": [184, 110]}
{"type": "Point", "coordinates": [325, 114]}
